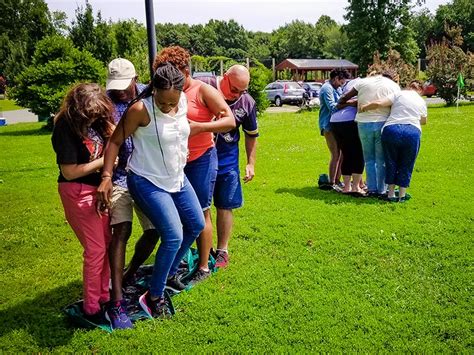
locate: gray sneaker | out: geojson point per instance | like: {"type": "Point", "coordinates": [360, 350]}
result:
{"type": "Point", "coordinates": [199, 275]}
{"type": "Point", "coordinates": [174, 284]}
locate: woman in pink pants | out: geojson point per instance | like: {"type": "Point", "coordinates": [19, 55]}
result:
{"type": "Point", "coordinates": [81, 129]}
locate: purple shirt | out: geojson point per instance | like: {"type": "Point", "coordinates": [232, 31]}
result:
{"type": "Point", "coordinates": [120, 173]}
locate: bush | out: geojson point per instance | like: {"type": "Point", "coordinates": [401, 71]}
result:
{"type": "Point", "coordinates": [260, 76]}
{"type": "Point", "coordinates": [406, 72]}
{"type": "Point", "coordinates": [56, 66]}
{"type": "Point", "coordinates": [446, 60]}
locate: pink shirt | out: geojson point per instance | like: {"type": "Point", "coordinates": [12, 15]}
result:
{"type": "Point", "coordinates": [197, 111]}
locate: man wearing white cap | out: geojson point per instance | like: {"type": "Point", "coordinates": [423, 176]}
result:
{"type": "Point", "coordinates": [122, 87]}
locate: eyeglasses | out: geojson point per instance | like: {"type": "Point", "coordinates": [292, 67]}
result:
{"type": "Point", "coordinates": [233, 89]}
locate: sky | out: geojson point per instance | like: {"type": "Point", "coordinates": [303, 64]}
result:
{"type": "Point", "coordinates": [253, 15]}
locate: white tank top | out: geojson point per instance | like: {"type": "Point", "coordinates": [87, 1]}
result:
{"type": "Point", "coordinates": [161, 148]}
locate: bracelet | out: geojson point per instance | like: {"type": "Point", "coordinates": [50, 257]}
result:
{"type": "Point", "coordinates": [106, 176]}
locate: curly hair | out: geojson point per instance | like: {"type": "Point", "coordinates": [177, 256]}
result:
{"type": "Point", "coordinates": [175, 55]}
{"type": "Point", "coordinates": [87, 105]}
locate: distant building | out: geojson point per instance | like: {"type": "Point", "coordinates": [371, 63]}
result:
{"type": "Point", "coordinates": [312, 69]}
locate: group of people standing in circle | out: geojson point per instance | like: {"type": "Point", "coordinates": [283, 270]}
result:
{"type": "Point", "coordinates": [166, 149]}
{"type": "Point", "coordinates": [371, 123]}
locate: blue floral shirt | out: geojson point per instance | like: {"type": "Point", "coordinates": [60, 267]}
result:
{"type": "Point", "coordinates": [120, 173]}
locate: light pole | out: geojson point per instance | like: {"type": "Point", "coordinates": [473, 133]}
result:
{"type": "Point", "coordinates": [150, 29]}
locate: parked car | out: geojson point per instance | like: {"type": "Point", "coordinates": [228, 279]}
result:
{"type": "Point", "coordinates": [197, 74]}
{"type": "Point", "coordinates": [284, 92]}
{"type": "Point", "coordinates": [429, 89]}
{"type": "Point", "coordinates": [312, 88]}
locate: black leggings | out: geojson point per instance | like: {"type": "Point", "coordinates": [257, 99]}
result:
{"type": "Point", "coordinates": [347, 137]}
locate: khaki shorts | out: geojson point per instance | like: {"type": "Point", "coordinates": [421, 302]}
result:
{"type": "Point", "coordinates": [122, 207]}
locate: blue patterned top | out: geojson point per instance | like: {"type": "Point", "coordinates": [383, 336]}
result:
{"type": "Point", "coordinates": [120, 173]}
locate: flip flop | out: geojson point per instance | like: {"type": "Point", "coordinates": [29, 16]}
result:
{"type": "Point", "coordinates": [358, 194]}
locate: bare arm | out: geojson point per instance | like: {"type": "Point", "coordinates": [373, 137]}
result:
{"type": "Point", "coordinates": [215, 103]}
{"type": "Point", "coordinates": [385, 102]}
{"type": "Point", "coordinates": [75, 171]}
{"type": "Point", "coordinates": [251, 150]}
{"type": "Point", "coordinates": [344, 98]}
{"type": "Point", "coordinates": [135, 117]}
{"type": "Point", "coordinates": [348, 103]}
{"type": "Point", "coordinates": [423, 120]}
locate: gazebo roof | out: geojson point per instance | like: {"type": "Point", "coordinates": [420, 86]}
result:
{"type": "Point", "coordinates": [316, 64]}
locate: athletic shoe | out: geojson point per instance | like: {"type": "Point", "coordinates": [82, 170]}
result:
{"type": "Point", "coordinates": [96, 318]}
{"type": "Point", "coordinates": [174, 284]}
{"type": "Point", "coordinates": [222, 258]}
{"type": "Point", "coordinates": [199, 275]}
{"type": "Point", "coordinates": [159, 308]}
{"type": "Point", "coordinates": [116, 314]}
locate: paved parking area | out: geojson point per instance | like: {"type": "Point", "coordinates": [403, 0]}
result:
{"type": "Point", "coordinates": [18, 116]}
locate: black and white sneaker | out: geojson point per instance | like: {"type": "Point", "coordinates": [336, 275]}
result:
{"type": "Point", "coordinates": [174, 284]}
{"type": "Point", "coordinates": [199, 275]}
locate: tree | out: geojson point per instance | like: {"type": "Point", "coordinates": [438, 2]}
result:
{"type": "Point", "coordinates": [406, 72]}
{"type": "Point", "coordinates": [422, 23]}
{"type": "Point", "coordinates": [260, 76]}
{"type": "Point", "coordinates": [23, 23]}
{"type": "Point", "coordinates": [93, 35]}
{"type": "Point", "coordinates": [379, 26]}
{"type": "Point", "coordinates": [229, 35]}
{"type": "Point", "coordinates": [456, 13]}
{"type": "Point", "coordinates": [295, 40]}
{"type": "Point", "coordinates": [446, 60]}
{"type": "Point", "coordinates": [55, 67]}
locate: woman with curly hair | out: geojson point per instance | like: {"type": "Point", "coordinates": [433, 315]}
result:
{"type": "Point", "coordinates": [208, 113]}
{"type": "Point", "coordinates": [81, 130]}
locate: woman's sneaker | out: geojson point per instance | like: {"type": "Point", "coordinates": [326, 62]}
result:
{"type": "Point", "coordinates": [174, 284]}
{"type": "Point", "coordinates": [199, 275]}
{"type": "Point", "coordinates": [116, 314]}
{"type": "Point", "coordinates": [222, 258]}
{"type": "Point", "coordinates": [159, 308]}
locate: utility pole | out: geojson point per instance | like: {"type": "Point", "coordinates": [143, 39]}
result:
{"type": "Point", "coordinates": [150, 30]}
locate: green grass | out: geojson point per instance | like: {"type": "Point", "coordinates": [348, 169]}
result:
{"type": "Point", "coordinates": [310, 270]}
{"type": "Point", "coordinates": [8, 105]}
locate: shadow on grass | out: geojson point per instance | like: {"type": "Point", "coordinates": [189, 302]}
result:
{"type": "Point", "coordinates": [42, 317]}
{"type": "Point", "coordinates": [329, 197]}
{"type": "Point", "coordinates": [28, 132]}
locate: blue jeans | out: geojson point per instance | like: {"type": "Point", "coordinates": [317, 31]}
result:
{"type": "Point", "coordinates": [401, 143]}
{"type": "Point", "coordinates": [177, 217]}
{"type": "Point", "coordinates": [370, 137]}
{"type": "Point", "coordinates": [202, 174]}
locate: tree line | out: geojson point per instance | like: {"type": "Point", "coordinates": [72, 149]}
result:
{"type": "Point", "coordinates": [31, 34]}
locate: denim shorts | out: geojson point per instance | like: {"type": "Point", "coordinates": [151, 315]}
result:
{"type": "Point", "coordinates": [228, 190]}
{"type": "Point", "coordinates": [201, 173]}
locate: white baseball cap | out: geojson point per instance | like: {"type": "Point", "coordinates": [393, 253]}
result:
{"type": "Point", "coordinates": [120, 74]}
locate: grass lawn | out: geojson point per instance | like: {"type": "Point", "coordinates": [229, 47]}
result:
{"type": "Point", "coordinates": [8, 105]}
{"type": "Point", "coordinates": [310, 270]}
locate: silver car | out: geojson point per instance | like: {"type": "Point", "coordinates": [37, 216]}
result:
{"type": "Point", "coordinates": [284, 92]}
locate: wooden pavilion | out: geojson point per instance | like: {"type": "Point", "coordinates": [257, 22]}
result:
{"type": "Point", "coordinates": [312, 69]}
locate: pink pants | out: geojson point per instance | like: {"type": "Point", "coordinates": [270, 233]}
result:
{"type": "Point", "coordinates": [94, 234]}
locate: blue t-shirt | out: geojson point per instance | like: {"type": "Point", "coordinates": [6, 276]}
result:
{"type": "Point", "coordinates": [227, 144]}
{"type": "Point", "coordinates": [328, 97]}
{"type": "Point", "coordinates": [120, 173]}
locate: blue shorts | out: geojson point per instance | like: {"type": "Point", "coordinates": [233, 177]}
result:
{"type": "Point", "coordinates": [201, 173]}
{"type": "Point", "coordinates": [228, 190]}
